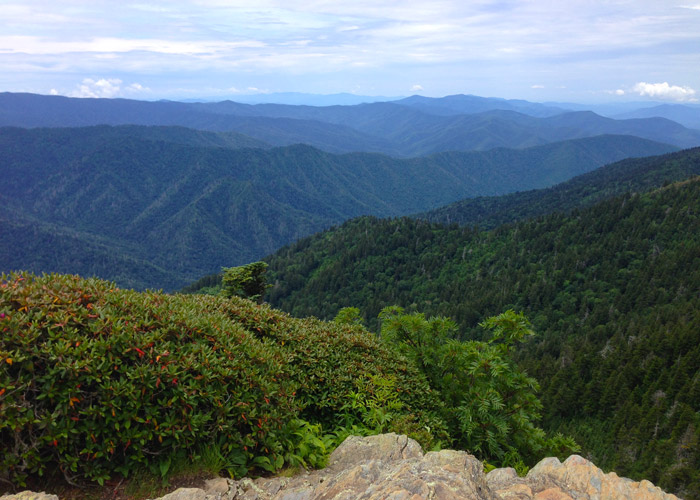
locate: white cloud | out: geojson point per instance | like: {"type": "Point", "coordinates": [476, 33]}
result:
{"type": "Point", "coordinates": [417, 88]}
{"type": "Point", "coordinates": [136, 87]}
{"type": "Point", "coordinates": [537, 87]}
{"type": "Point", "coordinates": [619, 92]}
{"type": "Point", "coordinates": [488, 46]}
{"type": "Point", "coordinates": [106, 87]}
{"type": "Point", "coordinates": [37, 45]}
{"type": "Point", "coordinates": [665, 91]}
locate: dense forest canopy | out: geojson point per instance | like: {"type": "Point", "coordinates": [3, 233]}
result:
{"type": "Point", "coordinates": [157, 207]}
{"type": "Point", "coordinates": [633, 174]}
{"type": "Point", "coordinates": [613, 290]}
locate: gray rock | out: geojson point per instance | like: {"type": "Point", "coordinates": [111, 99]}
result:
{"type": "Point", "coordinates": [29, 495]}
{"type": "Point", "coordinates": [391, 467]}
{"type": "Point", "coordinates": [216, 486]}
{"type": "Point", "coordinates": [186, 494]}
{"type": "Point", "coordinates": [507, 484]}
{"type": "Point", "coordinates": [379, 467]}
{"type": "Point", "coordinates": [506, 476]}
{"type": "Point", "coordinates": [387, 447]}
{"type": "Point", "coordinates": [580, 479]}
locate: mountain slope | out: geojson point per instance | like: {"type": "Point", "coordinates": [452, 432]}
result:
{"type": "Point", "coordinates": [469, 104]}
{"type": "Point", "coordinates": [686, 115]}
{"type": "Point", "coordinates": [37, 246]}
{"type": "Point", "coordinates": [190, 209]}
{"type": "Point", "coordinates": [634, 174]}
{"type": "Point", "coordinates": [612, 290]}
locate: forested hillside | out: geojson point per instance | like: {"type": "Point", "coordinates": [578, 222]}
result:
{"type": "Point", "coordinates": [160, 206]}
{"type": "Point", "coordinates": [402, 129]}
{"type": "Point", "coordinates": [102, 384]}
{"type": "Point", "coordinates": [613, 291]}
{"type": "Point", "coordinates": [633, 174]}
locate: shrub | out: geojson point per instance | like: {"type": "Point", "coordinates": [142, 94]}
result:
{"type": "Point", "coordinates": [490, 405]}
{"type": "Point", "coordinates": [97, 380]}
{"type": "Point", "coordinates": [330, 363]}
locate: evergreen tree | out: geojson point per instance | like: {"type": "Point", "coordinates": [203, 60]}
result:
{"type": "Point", "coordinates": [245, 281]}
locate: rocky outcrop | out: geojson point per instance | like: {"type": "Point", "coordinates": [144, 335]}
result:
{"type": "Point", "coordinates": [377, 467]}
{"type": "Point", "coordinates": [29, 495]}
{"type": "Point", "coordinates": [394, 467]}
{"type": "Point", "coordinates": [577, 478]}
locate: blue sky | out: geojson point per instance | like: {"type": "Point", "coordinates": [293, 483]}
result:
{"type": "Point", "coordinates": [540, 50]}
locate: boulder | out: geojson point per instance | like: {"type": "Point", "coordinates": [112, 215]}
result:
{"type": "Point", "coordinates": [581, 479]}
{"type": "Point", "coordinates": [394, 467]}
{"type": "Point", "coordinates": [29, 495]}
{"type": "Point", "coordinates": [387, 466]}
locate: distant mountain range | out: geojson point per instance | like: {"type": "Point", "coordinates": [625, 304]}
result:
{"type": "Point", "coordinates": [410, 127]}
{"type": "Point", "coordinates": [158, 194]}
{"type": "Point", "coordinates": [686, 115]}
{"type": "Point", "coordinates": [300, 99]}
{"type": "Point", "coordinates": [161, 206]}
{"type": "Point", "coordinates": [470, 104]}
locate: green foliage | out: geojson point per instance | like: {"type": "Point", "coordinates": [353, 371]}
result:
{"type": "Point", "coordinates": [207, 285]}
{"type": "Point", "coordinates": [98, 381]}
{"type": "Point", "coordinates": [374, 406]}
{"type": "Point", "coordinates": [306, 446]}
{"type": "Point", "coordinates": [331, 364]}
{"type": "Point", "coordinates": [348, 316]}
{"type": "Point", "coordinates": [160, 207]}
{"type": "Point", "coordinates": [632, 174]}
{"type": "Point", "coordinates": [612, 290]}
{"type": "Point", "coordinates": [490, 404]}
{"type": "Point", "coordinates": [245, 281]}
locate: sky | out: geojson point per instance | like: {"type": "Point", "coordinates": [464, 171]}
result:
{"type": "Point", "coordinates": [539, 50]}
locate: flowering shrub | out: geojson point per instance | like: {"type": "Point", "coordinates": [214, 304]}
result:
{"type": "Point", "coordinates": [98, 381]}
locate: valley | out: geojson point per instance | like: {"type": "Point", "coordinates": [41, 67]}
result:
{"type": "Point", "coordinates": [459, 207]}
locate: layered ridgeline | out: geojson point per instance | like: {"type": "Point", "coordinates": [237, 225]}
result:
{"type": "Point", "coordinates": [638, 174]}
{"type": "Point", "coordinates": [160, 206]}
{"type": "Point", "coordinates": [685, 114]}
{"type": "Point", "coordinates": [613, 291]}
{"type": "Point", "coordinates": [411, 127]}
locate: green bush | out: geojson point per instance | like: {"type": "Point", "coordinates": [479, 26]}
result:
{"type": "Point", "coordinates": [330, 363]}
{"type": "Point", "coordinates": [490, 405]}
{"type": "Point", "coordinates": [97, 381]}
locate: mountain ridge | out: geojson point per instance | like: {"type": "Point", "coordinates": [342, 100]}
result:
{"type": "Point", "coordinates": [192, 209]}
{"type": "Point", "coordinates": [614, 179]}
{"type": "Point", "coordinates": [384, 127]}
{"type": "Point", "coordinates": [612, 290]}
